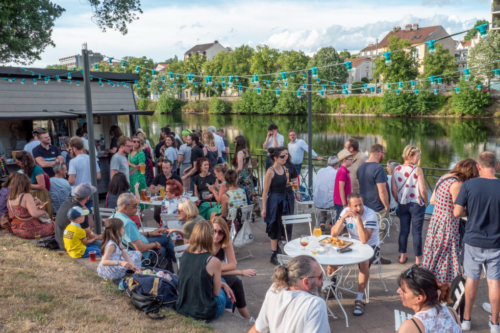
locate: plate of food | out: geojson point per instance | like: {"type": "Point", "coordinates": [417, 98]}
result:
{"type": "Point", "coordinates": [334, 241]}
{"type": "Point", "coordinates": [158, 199]}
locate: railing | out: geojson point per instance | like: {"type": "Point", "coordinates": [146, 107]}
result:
{"type": "Point", "coordinates": [495, 9]}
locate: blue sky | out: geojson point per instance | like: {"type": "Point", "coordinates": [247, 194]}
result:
{"type": "Point", "coordinates": [168, 28]}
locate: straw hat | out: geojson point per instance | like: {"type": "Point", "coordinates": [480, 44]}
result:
{"type": "Point", "coordinates": [343, 154]}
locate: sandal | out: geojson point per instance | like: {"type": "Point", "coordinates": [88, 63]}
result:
{"type": "Point", "coordinates": [358, 306]}
{"type": "Point", "coordinates": [403, 262]}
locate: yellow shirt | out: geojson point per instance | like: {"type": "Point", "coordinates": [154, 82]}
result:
{"type": "Point", "coordinates": [72, 237]}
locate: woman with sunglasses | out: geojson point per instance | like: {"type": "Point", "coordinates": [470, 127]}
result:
{"type": "Point", "coordinates": [188, 215]}
{"type": "Point", "coordinates": [224, 251]}
{"type": "Point", "coordinates": [420, 291]}
{"type": "Point", "coordinates": [409, 191]}
{"type": "Point", "coordinates": [135, 159]}
{"type": "Point", "coordinates": [276, 200]}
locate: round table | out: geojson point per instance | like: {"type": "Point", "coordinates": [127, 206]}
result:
{"type": "Point", "coordinates": [153, 202]}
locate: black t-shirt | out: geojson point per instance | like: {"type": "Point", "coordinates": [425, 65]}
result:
{"type": "Point", "coordinates": [48, 155]}
{"type": "Point", "coordinates": [114, 142]}
{"type": "Point", "coordinates": [201, 182]}
{"type": "Point", "coordinates": [161, 179]}
{"type": "Point", "coordinates": [482, 198]}
{"type": "Point", "coordinates": [292, 173]}
{"type": "Point", "coordinates": [369, 175]}
{"type": "Point", "coordinates": [196, 153]}
{"type": "Point", "coordinates": [112, 199]}
{"type": "Point", "coordinates": [62, 220]}
{"type": "Point", "coordinates": [158, 149]}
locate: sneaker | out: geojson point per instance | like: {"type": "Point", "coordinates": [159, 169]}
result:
{"type": "Point", "coordinates": [494, 328]}
{"type": "Point", "coordinates": [466, 325]}
{"type": "Point", "coordinates": [252, 320]}
{"type": "Point", "coordinates": [487, 307]}
{"type": "Point", "coordinates": [384, 261]}
{"type": "Point", "coordinates": [274, 260]}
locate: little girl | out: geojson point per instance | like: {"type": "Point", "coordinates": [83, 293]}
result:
{"type": "Point", "coordinates": [116, 260]}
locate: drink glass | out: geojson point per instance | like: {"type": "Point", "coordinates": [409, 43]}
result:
{"type": "Point", "coordinates": [143, 195]}
{"type": "Point", "coordinates": [142, 167]}
{"type": "Point", "coordinates": [190, 193]}
{"type": "Point", "coordinates": [37, 237]}
{"type": "Point", "coordinates": [148, 196]}
{"type": "Point", "coordinates": [317, 231]}
{"type": "Point", "coordinates": [92, 255]}
{"type": "Point", "coordinates": [315, 251]}
{"type": "Point", "coordinates": [304, 241]}
{"type": "Point", "coordinates": [162, 191]}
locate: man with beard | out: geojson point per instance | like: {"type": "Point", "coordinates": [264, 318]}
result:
{"type": "Point", "coordinates": [361, 223]}
{"type": "Point", "coordinates": [293, 303]}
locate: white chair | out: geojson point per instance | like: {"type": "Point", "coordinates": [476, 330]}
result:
{"type": "Point", "coordinates": [384, 222]}
{"type": "Point", "coordinates": [400, 317]}
{"type": "Point", "coordinates": [246, 217]}
{"type": "Point", "coordinates": [179, 250]}
{"type": "Point", "coordinates": [105, 213]}
{"type": "Point", "coordinates": [296, 219]}
{"type": "Point", "coordinates": [459, 294]}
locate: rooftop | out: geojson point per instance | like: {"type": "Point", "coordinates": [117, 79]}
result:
{"type": "Point", "coordinates": [201, 47]}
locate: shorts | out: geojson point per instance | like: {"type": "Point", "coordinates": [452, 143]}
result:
{"type": "Point", "coordinates": [476, 257]}
{"type": "Point", "coordinates": [376, 252]}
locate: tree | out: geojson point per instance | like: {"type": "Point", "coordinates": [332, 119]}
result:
{"type": "Point", "coordinates": [328, 56]}
{"type": "Point", "coordinates": [485, 52]}
{"type": "Point", "coordinates": [404, 66]}
{"type": "Point", "coordinates": [171, 60]}
{"type": "Point", "coordinates": [470, 101]}
{"type": "Point", "coordinates": [26, 25]}
{"type": "Point", "coordinates": [440, 63]}
{"type": "Point", "coordinates": [195, 65]}
{"type": "Point", "coordinates": [292, 60]}
{"type": "Point", "coordinates": [472, 32]}
{"type": "Point", "coordinates": [345, 54]}
{"type": "Point", "coordinates": [264, 60]}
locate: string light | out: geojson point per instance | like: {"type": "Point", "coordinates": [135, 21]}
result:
{"type": "Point", "coordinates": [431, 78]}
{"type": "Point", "coordinates": [298, 94]}
{"type": "Point", "coordinates": [123, 64]}
{"type": "Point", "coordinates": [69, 76]}
{"type": "Point", "coordinates": [436, 91]}
{"type": "Point", "coordinates": [400, 84]}
{"type": "Point", "coordinates": [387, 56]}
{"type": "Point", "coordinates": [348, 65]}
{"type": "Point", "coordinates": [397, 91]}
{"type": "Point", "coordinates": [314, 71]}
{"type": "Point", "coordinates": [57, 78]}
{"type": "Point", "coordinates": [372, 90]}
{"type": "Point", "coordinates": [482, 30]}
{"type": "Point", "coordinates": [277, 93]}
{"type": "Point", "coordinates": [153, 72]}
{"type": "Point", "coordinates": [479, 87]}
{"type": "Point", "coordinates": [23, 80]}
{"type": "Point", "coordinates": [258, 91]}
{"type": "Point", "coordinates": [456, 90]}
{"type": "Point", "coordinates": [77, 83]}
{"type": "Point", "coordinates": [137, 69]}
{"type": "Point", "coordinates": [496, 71]}
{"type": "Point", "coordinates": [432, 49]}
{"type": "Point", "coordinates": [439, 80]}
{"type": "Point", "coordinates": [111, 62]}
{"type": "Point", "coordinates": [416, 92]}
{"type": "Point", "coordinates": [412, 85]}
{"type": "Point", "coordinates": [466, 74]}
{"type": "Point", "coordinates": [34, 82]}
{"type": "Point", "coordinates": [96, 68]}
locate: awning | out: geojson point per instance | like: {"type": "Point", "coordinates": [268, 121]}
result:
{"type": "Point", "coordinates": [36, 115]}
{"type": "Point", "coordinates": [112, 113]}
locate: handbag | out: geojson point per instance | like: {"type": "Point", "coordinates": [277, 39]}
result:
{"type": "Point", "coordinates": [5, 223]}
{"type": "Point", "coordinates": [48, 243]}
{"type": "Point", "coordinates": [147, 303]}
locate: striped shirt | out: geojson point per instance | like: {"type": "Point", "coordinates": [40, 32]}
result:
{"type": "Point", "coordinates": [370, 221]}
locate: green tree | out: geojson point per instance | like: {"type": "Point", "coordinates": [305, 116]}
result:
{"type": "Point", "coordinates": [264, 60]}
{"type": "Point", "coordinates": [440, 63]}
{"type": "Point", "coordinates": [472, 32]}
{"type": "Point", "coordinates": [292, 60]}
{"type": "Point", "coordinates": [168, 103]}
{"type": "Point", "coordinates": [483, 53]}
{"type": "Point", "coordinates": [404, 66]}
{"type": "Point", "coordinates": [26, 25]}
{"type": "Point", "coordinates": [171, 60]}
{"type": "Point", "coordinates": [345, 54]}
{"type": "Point", "coordinates": [328, 56]}
{"type": "Point", "coordinates": [470, 101]}
{"type": "Point", "coordinates": [195, 65]}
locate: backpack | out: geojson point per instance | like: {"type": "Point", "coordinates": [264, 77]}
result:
{"type": "Point", "coordinates": [165, 288]}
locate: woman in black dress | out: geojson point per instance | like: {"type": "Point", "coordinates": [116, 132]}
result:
{"type": "Point", "coordinates": [279, 202]}
{"type": "Point", "coordinates": [203, 179]}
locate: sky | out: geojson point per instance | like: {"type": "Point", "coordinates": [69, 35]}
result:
{"type": "Point", "coordinates": [169, 28]}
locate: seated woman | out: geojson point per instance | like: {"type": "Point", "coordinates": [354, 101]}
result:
{"type": "Point", "coordinates": [234, 197]}
{"type": "Point", "coordinates": [36, 176]}
{"type": "Point", "coordinates": [203, 294]}
{"type": "Point", "coordinates": [24, 212]}
{"type": "Point", "coordinates": [202, 180]}
{"type": "Point", "coordinates": [187, 212]}
{"type": "Point", "coordinates": [117, 187]}
{"type": "Point", "coordinates": [218, 189]}
{"type": "Point", "coordinates": [224, 251]}
{"type": "Point", "coordinates": [420, 291]}
{"type": "Point", "coordinates": [173, 196]}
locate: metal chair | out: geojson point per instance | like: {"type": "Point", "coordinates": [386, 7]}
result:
{"type": "Point", "coordinates": [245, 218]}
{"type": "Point", "coordinates": [179, 250]}
{"type": "Point", "coordinates": [322, 199]}
{"type": "Point", "coordinates": [384, 222]}
{"type": "Point", "coordinates": [296, 219]}
{"type": "Point", "coordinates": [105, 213]}
{"type": "Point", "coordinates": [399, 317]}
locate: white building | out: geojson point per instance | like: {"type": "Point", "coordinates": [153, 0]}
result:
{"type": "Point", "coordinates": [208, 50]}
{"type": "Point", "coordinates": [77, 60]}
{"type": "Point", "coordinates": [362, 67]}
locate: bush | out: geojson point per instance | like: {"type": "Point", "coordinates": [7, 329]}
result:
{"type": "Point", "coordinates": [219, 106]}
{"type": "Point", "coordinates": [196, 106]}
{"type": "Point", "coordinates": [356, 87]}
{"type": "Point", "coordinates": [167, 103]}
{"type": "Point", "coordinates": [470, 101]}
{"type": "Point", "coordinates": [141, 105]}
{"type": "Point", "coordinates": [354, 105]}
{"type": "Point", "coordinates": [365, 80]}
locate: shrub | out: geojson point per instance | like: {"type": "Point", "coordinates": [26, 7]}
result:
{"type": "Point", "coordinates": [167, 103]}
{"type": "Point", "coordinates": [356, 87]}
{"type": "Point", "coordinates": [219, 106]}
{"type": "Point", "coordinates": [365, 80]}
{"type": "Point", "coordinates": [196, 106]}
{"type": "Point", "coordinates": [470, 101]}
{"type": "Point", "coordinates": [141, 105]}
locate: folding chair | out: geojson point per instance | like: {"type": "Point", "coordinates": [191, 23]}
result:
{"type": "Point", "coordinates": [179, 250]}
{"type": "Point", "coordinates": [145, 261]}
{"type": "Point", "coordinates": [105, 213]}
{"type": "Point", "coordinates": [246, 217]}
{"type": "Point", "coordinates": [399, 317]}
{"type": "Point", "coordinates": [384, 222]}
{"type": "Point", "coordinates": [296, 219]}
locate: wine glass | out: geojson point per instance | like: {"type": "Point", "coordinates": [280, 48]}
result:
{"type": "Point", "coordinates": [317, 231]}
{"type": "Point", "coordinates": [304, 241]}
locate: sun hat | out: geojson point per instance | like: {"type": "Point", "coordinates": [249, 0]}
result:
{"type": "Point", "coordinates": [343, 154]}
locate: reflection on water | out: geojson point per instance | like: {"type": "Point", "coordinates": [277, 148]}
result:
{"type": "Point", "coordinates": [443, 141]}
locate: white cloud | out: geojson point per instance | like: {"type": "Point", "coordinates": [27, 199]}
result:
{"type": "Point", "coordinates": [163, 32]}
{"type": "Point", "coordinates": [449, 2]}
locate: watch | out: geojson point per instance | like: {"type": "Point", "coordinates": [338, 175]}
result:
{"type": "Point", "coordinates": [116, 263]}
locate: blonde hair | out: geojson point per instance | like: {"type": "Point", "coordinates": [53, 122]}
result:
{"type": "Point", "coordinates": [189, 208]}
{"type": "Point", "coordinates": [223, 224]}
{"type": "Point", "coordinates": [201, 238]}
{"type": "Point", "coordinates": [141, 142]}
{"type": "Point", "coordinates": [223, 167]}
{"type": "Point", "coordinates": [410, 151]}
{"type": "Point", "coordinates": [209, 139]}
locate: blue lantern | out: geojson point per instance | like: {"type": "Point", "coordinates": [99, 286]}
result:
{"type": "Point", "coordinates": [298, 94]}
{"type": "Point", "coordinates": [135, 82]}
{"type": "Point", "coordinates": [400, 84]}
{"type": "Point", "coordinates": [348, 65]}
{"type": "Point", "coordinates": [431, 78]}
{"type": "Point", "coordinates": [322, 93]}
{"type": "Point", "coordinates": [283, 75]}
{"type": "Point", "coordinates": [332, 83]}
{"type": "Point", "coordinates": [304, 77]}
{"type": "Point", "coordinates": [286, 84]}
{"type": "Point", "coordinates": [439, 80]}
{"type": "Point", "coordinates": [159, 86]}
{"type": "Point", "coordinates": [23, 80]}
{"type": "Point", "coordinates": [432, 48]}
{"type": "Point", "coordinates": [364, 87]}
{"type": "Point", "coordinates": [183, 85]}
{"type": "Point", "coordinates": [78, 83]}
{"type": "Point", "coordinates": [123, 64]}
{"type": "Point", "coordinates": [482, 30]}
{"type": "Point", "coordinates": [436, 91]}
{"type": "Point", "coordinates": [111, 62]}
{"type": "Point", "coordinates": [457, 90]}
{"type": "Point", "coordinates": [58, 78]}
{"type": "Point", "coordinates": [256, 80]}
{"type": "Point", "coordinates": [388, 86]}
{"type": "Point", "coordinates": [258, 91]}
{"type": "Point", "coordinates": [240, 87]}
{"type": "Point", "coordinates": [196, 84]}
{"type": "Point", "coordinates": [236, 78]}
{"type": "Point", "coordinates": [304, 86]}
{"type": "Point", "coordinates": [397, 91]}
{"type": "Point", "coordinates": [39, 76]}
{"type": "Point", "coordinates": [314, 71]}
{"type": "Point", "coordinates": [96, 68]}
{"type": "Point", "coordinates": [277, 93]}
{"type": "Point", "coordinates": [387, 56]}
{"type": "Point", "coordinates": [416, 92]}
{"type": "Point", "coordinates": [372, 90]}
{"type": "Point", "coordinates": [208, 79]}
{"type": "Point", "coordinates": [137, 68]}
{"type": "Point", "coordinates": [69, 76]}
{"type": "Point", "coordinates": [412, 84]}
{"type": "Point", "coordinates": [91, 77]}
{"type": "Point", "coordinates": [479, 87]}
{"type": "Point", "coordinates": [46, 80]}
{"type": "Point", "coordinates": [496, 71]}
{"type": "Point", "coordinates": [153, 72]}
{"type": "Point", "coordinates": [466, 73]}
{"type": "Point", "coordinates": [149, 87]}
{"type": "Point", "coordinates": [103, 85]}
{"type": "Point", "coordinates": [32, 74]}
{"type": "Point", "coordinates": [323, 86]}
{"type": "Point", "coordinates": [34, 82]}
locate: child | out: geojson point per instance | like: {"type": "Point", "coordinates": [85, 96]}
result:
{"type": "Point", "coordinates": [75, 239]}
{"type": "Point", "coordinates": [116, 260]}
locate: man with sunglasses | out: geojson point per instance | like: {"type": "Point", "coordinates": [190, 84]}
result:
{"type": "Point", "coordinates": [119, 161]}
{"type": "Point", "coordinates": [293, 304]}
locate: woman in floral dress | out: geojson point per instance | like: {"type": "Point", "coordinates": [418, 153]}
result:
{"type": "Point", "coordinates": [245, 177]}
{"type": "Point", "coordinates": [442, 245]}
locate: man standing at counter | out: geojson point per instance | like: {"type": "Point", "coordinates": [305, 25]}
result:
{"type": "Point", "coordinates": [34, 142]}
{"type": "Point", "coordinates": [46, 155]}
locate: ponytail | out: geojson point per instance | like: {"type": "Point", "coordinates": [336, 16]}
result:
{"type": "Point", "coordinates": [445, 293]}
{"type": "Point", "coordinates": [280, 277]}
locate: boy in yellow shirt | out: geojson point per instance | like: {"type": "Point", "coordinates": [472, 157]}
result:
{"type": "Point", "coordinates": [75, 239]}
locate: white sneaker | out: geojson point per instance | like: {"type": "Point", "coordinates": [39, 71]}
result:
{"type": "Point", "coordinates": [466, 325]}
{"type": "Point", "coordinates": [252, 320]}
{"type": "Point", "coordinates": [487, 307]}
{"type": "Point", "coordinates": [494, 328]}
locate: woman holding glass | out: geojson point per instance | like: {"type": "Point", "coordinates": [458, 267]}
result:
{"type": "Point", "coordinates": [276, 200]}
{"type": "Point", "coordinates": [203, 180]}
{"type": "Point", "coordinates": [137, 159]}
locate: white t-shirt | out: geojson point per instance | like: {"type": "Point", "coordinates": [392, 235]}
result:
{"type": "Point", "coordinates": [292, 311]}
{"type": "Point", "coordinates": [220, 144]}
{"type": "Point", "coordinates": [270, 142]}
{"type": "Point", "coordinates": [370, 221]}
{"type": "Point", "coordinates": [80, 166]}
{"type": "Point", "coordinates": [323, 195]}
{"type": "Point", "coordinates": [30, 145]}
{"type": "Point", "coordinates": [86, 145]}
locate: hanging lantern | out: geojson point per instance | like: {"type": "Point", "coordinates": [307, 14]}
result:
{"type": "Point", "coordinates": [208, 79]}
{"type": "Point", "coordinates": [117, 84]}
{"type": "Point", "coordinates": [364, 88]}
{"type": "Point", "coordinates": [196, 84]}
{"type": "Point", "coordinates": [135, 82]}
{"type": "Point", "coordinates": [123, 64]}
{"type": "Point", "coordinates": [314, 71]}
{"type": "Point", "coordinates": [32, 74]}
{"type": "Point", "coordinates": [412, 85]}
{"type": "Point", "coordinates": [149, 87]}
{"type": "Point", "coordinates": [283, 76]}
{"type": "Point", "coordinates": [348, 65]}
{"type": "Point", "coordinates": [91, 77]}
{"type": "Point", "coordinates": [400, 84]}
{"type": "Point", "coordinates": [323, 86]}
{"type": "Point", "coordinates": [387, 56]}
{"type": "Point", "coordinates": [240, 87]}
{"type": "Point", "coordinates": [466, 74]}
{"type": "Point", "coordinates": [479, 87]}
{"type": "Point", "coordinates": [436, 91]}
{"type": "Point", "coordinates": [397, 91]}
{"type": "Point", "coordinates": [372, 90]}
{"type": "Point", "coordinates": [322, 93]}
{"type": "Point", "coordinates": [439, 80]}
{"type": "Point", "coordinates": [332, 83]}
{"type": "Point", "coordinates": [236, 78]}
{"type": "Point", "coordinates": [416, 92]}
{"type": "Point", "coordinates": [286, 84]}
{"type": "Point", "coordinates": [379, 90]}
{"type": "Point", "coordinates": [388, 86]}
{"type": "Point", "coordinates": [223, 85]}
{"type": "Point", "coordinates": [58, 78]}
{"type": "Point", "coordinates": [69, 76]}
{"type": "Point", "coordinates": [277, 93]}
{"type": "Point", "coordinates": [176, 76]}
{"type": "Point", "coordinates": [304, 77]}
{"type": "Point", "coordinates": [304, 86]}
{"type": "Point", "coordinates": [497, 75]}
{"type": "Point", "coordinates": [137, 68]}
{"type": "Point", "coordinates": [457, 90]}
{"type": "Point", "coordinates": [298, 94]}
{"type": "Point", "coordinates": [159, 87]}
{"type": "Point", "coordinates": [153, 73]}
{"type": "Point", "coordinates": [34, 82]}
{"type": "Point", "coordinates": [482, 30]}
{"type": "Point", "coordinates": [111, 62]}
{"type": "Point", "coordinates": [103, 85]}
{"type": "Point", "coordinates": [431, 78]}
{"type": "Point", "coordinates": [23, 80]}
{"type": "Point", "coordinates": [346, 91]}
{"type": "Point", "coordinates": [258, 91]}
{"type": "Point", "coordinates": [39, 76]}
{"type": "Point", "coordinates": [77, 83]}
{"type": "Point", "coordinates": [432, 48]}
{"type": "Point", "coordinates": [109, 82]}
{"type": "Point", "coordinates": [46, 80]}
{"type": "Point", "coordinates": [96, 68]}
{"type": "Point", "coordinates": [256, 80]}
{"type": "Point", "coordinates": [138, 86]}
{"type": "Point", "coordinates": [231, 79]}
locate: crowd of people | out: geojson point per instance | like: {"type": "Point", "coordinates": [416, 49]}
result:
{"type": "Point", "coordinates": [51, 195]}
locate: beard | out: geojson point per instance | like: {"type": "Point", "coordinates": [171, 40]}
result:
{"type": "Point", "coordinates": [315, 290]}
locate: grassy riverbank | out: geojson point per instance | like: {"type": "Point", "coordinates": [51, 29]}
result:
{"type": "Point", "coordinates": [47, 291]}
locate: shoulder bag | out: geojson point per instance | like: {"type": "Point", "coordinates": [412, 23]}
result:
{"type": "Point", "coordinates": [413, 170]}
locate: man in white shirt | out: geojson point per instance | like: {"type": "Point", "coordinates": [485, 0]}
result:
{"type": "Point", "coordinates": [323, 195]}
{"type": "Point", "coordinates": [296, 149]}
{"type": "Point", "coordinates": [218, 140]}
{"type": "Point", "coordinates": [34, 142]}
{"type": "Point", "coordinates": [362, 225]}
{"type": "Point", "coordinates": [273, 139]}
{"type": "Point", "coordinates": [293, 303]}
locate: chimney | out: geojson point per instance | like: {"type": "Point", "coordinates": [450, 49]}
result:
{"type": "Point", "coordinates": [216, 41]}
{"type": "Point", "coordinates": [408, 27]}
{"type": "Point", "coordinates": [415, 26]}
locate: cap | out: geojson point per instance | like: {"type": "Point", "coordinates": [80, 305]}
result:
{"type": "Point", "coordinates": [38, 130]}
{"type": "Point", "coordinates": [332, 160]}
{"type": "Point", "coordinates": [211, 129]}
{"type": "Point", "coordinates": [76, 212]}
{"type": "Point", "coordinates": [84, 190]}
{"type": "Point", "coordinates": [186, 132]}
{"type": "Point", "coordinates": [343, 154]}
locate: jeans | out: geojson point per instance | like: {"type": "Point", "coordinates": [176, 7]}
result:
{"type": "Point", "coordinates": [97, 243]}
{"type": "Point", "coordinates": [223, 302]}
{"type": "Point", "coordinates": [298, 168]}
{"type": "Point", "coordinates": [167, 244]}
{"type": "Point", "coordinates": [339, 209]}
{"type": "Point", "coordinates": [411, 213]}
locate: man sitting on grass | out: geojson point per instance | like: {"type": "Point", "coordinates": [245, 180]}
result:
{"type": "Point", "coordinates": [361, 223]}
{"type": "Point", "coordinates": [75, 239]}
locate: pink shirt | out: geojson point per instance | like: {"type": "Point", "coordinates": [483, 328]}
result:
{"type": "Point", "coordinates": [342, 176]}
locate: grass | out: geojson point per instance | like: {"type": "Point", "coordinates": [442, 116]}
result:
{"type": "Point", "coordinates": [47, 291]}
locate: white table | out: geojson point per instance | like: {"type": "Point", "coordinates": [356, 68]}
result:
{"type": "Point", "coordinates": [153, 202]}
{"type": "Point", "coordinates": [360, 252]}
